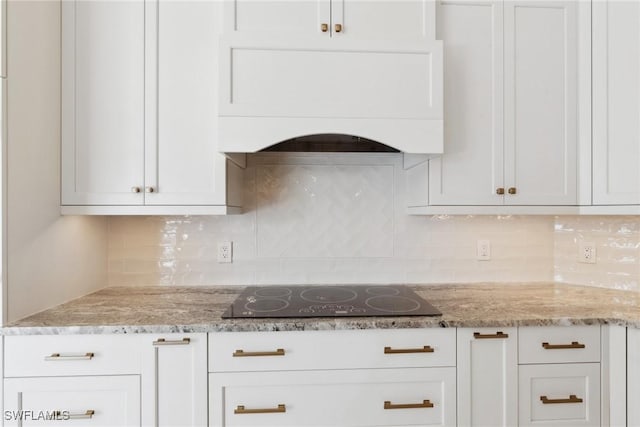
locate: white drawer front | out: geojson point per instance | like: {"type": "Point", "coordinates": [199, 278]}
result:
{"type": "Point", "coordinates": [335, 398]}
{"type": "Point", "coordinates": [54, 355]}
{"type": "Point", "coordinates": [556, 344]}
{"type": "Point", "coordinates": [89, 401]}
{"type": "Point", "coordinates": [560, 395]}
{"type": "Point", "coordinates": [285, 351]}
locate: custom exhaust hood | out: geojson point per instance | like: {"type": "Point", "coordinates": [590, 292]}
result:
{"type": "Point", "coordinates": [328, 95]}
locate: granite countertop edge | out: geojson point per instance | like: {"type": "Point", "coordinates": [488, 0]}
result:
{"type": "Point", "coordinates": [196, 309]}
{"type": "Point", "coordinates": [321, 325]}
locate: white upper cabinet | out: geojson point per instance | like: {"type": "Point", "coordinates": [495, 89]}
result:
{"type": "Point", "coordinates": [140, 109]}
{"type": "Point", "coordinates": [375, 19]}
{"type": "Point", "coordinates": [301, 18]}
{"type": "Point", "coordinates": [182, 161]}
{"type": "Point", "coordinates": [364, 19]}
{"type": "Point", "coordinates": [511, 104]}
{"type": "Point", "coordinates": [616, 102]}
{"type": "Point", "coordinates": [541, 102]}
{"type": "Point", "coordinates": [471, 168]}
{"type": "Point", "coordinates": [371, 69]}
{"type": "Point", "coordinates": [103, 102]}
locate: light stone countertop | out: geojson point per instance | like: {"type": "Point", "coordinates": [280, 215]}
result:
{"type": "Point", "coordinates": [165, 309]}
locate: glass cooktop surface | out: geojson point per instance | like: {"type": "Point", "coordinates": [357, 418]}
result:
{"type": "Point", "coordinates": [328, 301]}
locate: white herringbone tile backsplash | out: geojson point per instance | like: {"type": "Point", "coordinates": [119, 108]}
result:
{"type": "Point", "coordinates": [340, 218]}
{"type": "Point", "coordinates": [327, 218]}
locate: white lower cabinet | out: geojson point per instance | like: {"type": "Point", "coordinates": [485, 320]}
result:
{"type": "Point", "coordinates": [174, 380]}
{"type": "Point", "coordinates": [560, 394]}
{"type": "Point", "coordinates": [107, 380]}
{"type": "Point", "coordinates": [381, 397]}
{"type": "Point", "coordinates": [633, 377]}
{"type": "Point", "coordinates": [333, 378]}
{"type": "Point", "coordinates": [487, 377]}
{"type": "Point", "coordinates": [77, 401]}
{"type": "Point", "coordinates": [559, 376]}
{"type": "Point", "coordinates": [543, 376]}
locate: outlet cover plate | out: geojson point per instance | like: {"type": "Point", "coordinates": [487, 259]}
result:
{"type": "Point", "coordinates": [225, 252]}
{"type": "Point", "coordinates": [587, 253]}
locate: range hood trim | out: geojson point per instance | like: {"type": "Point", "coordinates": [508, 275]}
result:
{"type": "Point", "coordinates": [254, 134]}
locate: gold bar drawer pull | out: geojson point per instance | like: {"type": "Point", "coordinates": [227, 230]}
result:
{"type": "Point", "coordinates": [87, 415]}
{"type": "Point", "coordinates": [425, 349]}
{"type": "Point", "coordinates": [162, 341]}
{"type": "Point", "coordinates": [424, 404]}
{"type": "Point", "coordinates": [572, 399]}
{"type": "Point", "coordinates": [574, 344]}
{"type": "Point", "coordinates": [61, 357]}
{"type": "Point", "coordinates": [66, 415]}
{"type": "Point", "coordinates": [242, 353]}
{"type": "Point", "coordinates": [242, 410]}
{"type": "Point", "coordinates": [497, 335]}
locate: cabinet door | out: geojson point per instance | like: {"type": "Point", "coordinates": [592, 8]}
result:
{"type": "Point", "coordinates": [81, 401]}
{"type": "Point", "coordinates": [541, 102]}
{"type": "Point", "coordinates": [102, 102]}
{"type": "Point", "coordinates": [633, 377]}
{"type": "Point", "coordinates": [616, 102]}
{"type": "Point", "coordinates": [174, 380]}
{"type": "Point", "coordinates": [383, 20]}
{"type": "Point", "coordinates": [559, 395]}
{"type": "Point", "coordinates": [470, 170]}
{"type": "Point", "coordinates": [182, 164]}
{"type": "Point", "coordinates": [487, 377]}
{"type": "Point", "coordinates": [294, 18]}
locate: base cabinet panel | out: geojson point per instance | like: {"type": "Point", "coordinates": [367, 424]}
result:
{"type": "Point", "coordinates": [174, 380]}
{"type": "Point", "coordinates": [79, 401]}
{"type": "Point", "coordinates": [380, 397]}
{"type": "Point", "coordinates": [560, 394]}
{"type": "Point", "coordinates": [487, 377]}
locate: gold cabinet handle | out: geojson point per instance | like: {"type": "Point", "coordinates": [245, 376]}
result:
{"type": "Point", "coordinates": [324, 27]}
{"type": "Point", "coordinates": [135, 189]}
{"type": "Point", "coordinates": [150, 189]}
{"type": "Point", "coordinates": [55, 357]}
{"type": "Point", "coordinates": [574, 344]}
{"type": "Point", "coordinates": [66, 415]}
{"type": "Point", "coordinates": [162, 341]}
{"type": "Point", "coordinates": [338, 28]}
{"type": "Point", "coordinates": [424, 404]}
{"type": "Point", "coordinates": [242, 353]}
{"type": "Point", "coordinates": [88, 414]}
{"type": "Point", "coordinates": [497, 335]}
{"type": "Point", "coordinates": [572, 399]}
{"type": "Point", "coordinates": [500, 190]}
{"type": "Point", "coordinates": [425, 349]}
{"type": "Point", "coordinates": [242, 410]}
{"type": "Point", "coordinates": [512, 190]}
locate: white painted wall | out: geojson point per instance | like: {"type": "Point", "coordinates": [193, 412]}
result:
{"type": "Point", "coordinates": [51, 259]}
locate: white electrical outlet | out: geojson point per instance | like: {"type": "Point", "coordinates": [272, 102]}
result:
{"type": "Point", "coordinates": [484, 250]}
{"type": "Point", "coordinates": [225, 252]}
{"type": "Point", "coordinates": [587, 253]}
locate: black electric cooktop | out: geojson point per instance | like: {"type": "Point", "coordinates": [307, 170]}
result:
{"type": "Point", "coordinates": [328, 301]}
